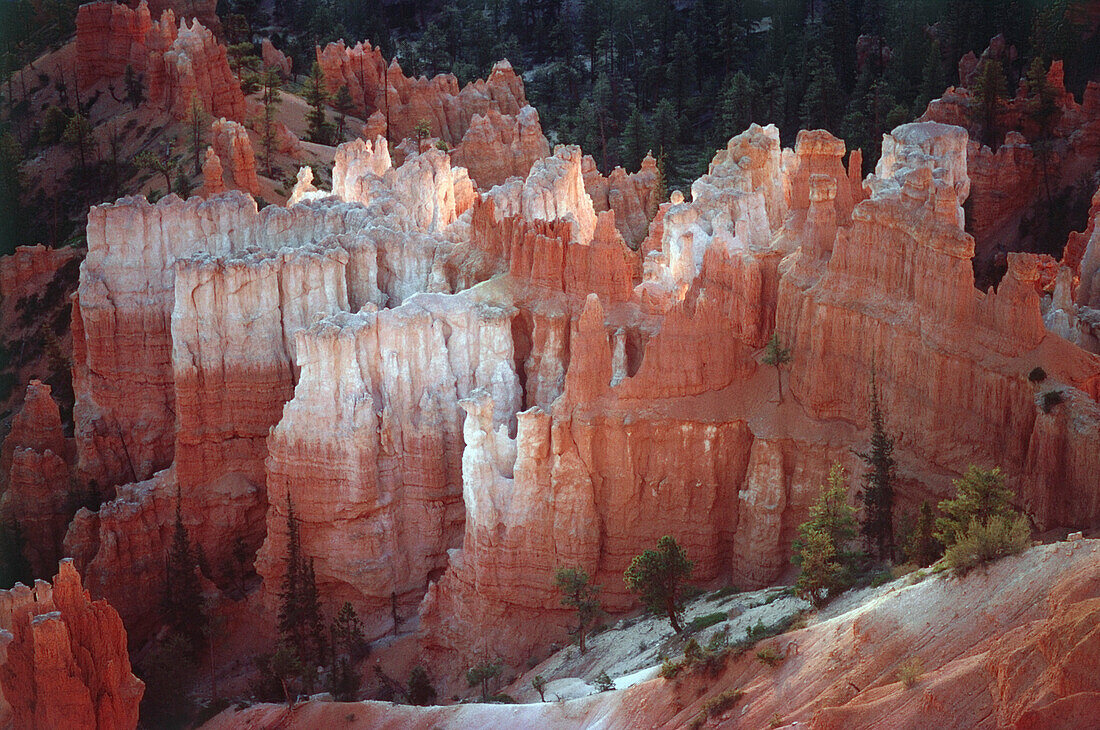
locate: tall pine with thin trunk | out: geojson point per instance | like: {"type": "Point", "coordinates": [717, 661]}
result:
{"type": "Point", "coordinates": [877, 525]}
{"type": "Point", "coordinates": [183, 605]}
{"type": "Point", "coordinates": [300, 623]}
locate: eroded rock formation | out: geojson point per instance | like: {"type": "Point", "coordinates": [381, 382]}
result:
{"type": "Point", "coordinates": [233, 147]}
{"type": "Point", "coordinates": [177, 62]}
{"type": "Point", "coordinates": [402, 102]}
{"type": "Point", "coordinates": [63, 658]}
{"type": "Point", "coordinates": [38, 492]}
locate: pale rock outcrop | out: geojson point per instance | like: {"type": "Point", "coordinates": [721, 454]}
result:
{"type": "Point", "coordinates": [204, 11]}
{"type": "Point", "coordinates": [36, 472]}
{"type": "Point", "coordinates": [496, 147]}
{"type": "Point", "coordinates": [122, 342]}
{"type": "Point", "coordinates": [63, 658]}
{"type": "Point", "coordinates": [234, 150]}
{"type": "Point", "coordinates": [737, 207]}
{"type": "Point", "coordinates": [369, 448]}
{"type": "Point", "coordinates": [553, 190]}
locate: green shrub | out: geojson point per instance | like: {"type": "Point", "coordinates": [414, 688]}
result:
{"type": "Point", "coordinates": [985, 542]}
{"type": "Point", "coordinates": [669, 669]}
{"type": "Point", "coordinates": [768, 655]}
{"type": "Point", "coordinates": [909, 673]}
{"type": "Point", "coordinates": [701, 622]}
{"type": "Point", "coordinates": [503, 699]}
{"type": "Point", "coordinates": [881, 578]}
{"type": "Point", "coordinates": [723, 592]}
{"type": "Point", "coordinates": [603, 682]}
{"type": "Point", "coordinates": [720, 703]}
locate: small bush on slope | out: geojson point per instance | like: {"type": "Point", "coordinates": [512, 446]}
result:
{"type": "Point", "coordinates": [984, 542]}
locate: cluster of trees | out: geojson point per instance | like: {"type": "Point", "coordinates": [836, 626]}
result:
{"type": "Point", "coordinates": [838, 543]}
{"type": "Point", "coordinates": [621, 78]}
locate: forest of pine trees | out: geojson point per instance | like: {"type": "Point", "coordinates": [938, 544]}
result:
{"type": "Point", "coordinates": [624, 77]}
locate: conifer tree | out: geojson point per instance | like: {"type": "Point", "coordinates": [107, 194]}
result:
{"type": "Point", "coordinates": [271, 98]}
{"type": "Point", "coordinates": [877, 524]}
{"type": "Point", "coordinates": [923, 548]}
{"type": "Point", "coordinates": [981, 494]}
{"type": "Point", "coordinates": [183, 604]}
{"type": "Point", "coordinates": [823, 549]}
{"type": "Point", "coordinates": [319, 130]}
{"type": "Point", "coordinates": [989, 88]}
{"type": "Point", "coordinates": [634, 140]}
{"type": "Point", "coordinates": [659, 577]}
{"type": "Point", "coordinates": [579, 594]}
{"type": "Point", "coordinates": [344, 105]}
{"type": "Point", "coordinates": [300, 622]}
{"type": "Point", "coordinates": [777, 356]}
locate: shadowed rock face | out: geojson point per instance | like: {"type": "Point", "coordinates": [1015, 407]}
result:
{"type": "Point", "coordinates": [178, 62]}
{"type": "Point", "coordinates": [63, 659]}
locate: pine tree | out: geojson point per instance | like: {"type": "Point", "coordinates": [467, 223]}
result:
{"type": "Point", "coordinates": [923, 548]}
{"type": "Point", "coordinates": [989, 88]}
{"type": "Point", "coordinates": [319, 130]}
{"type": "Point", "coordinates": [14, 566]}
{"type": "Point", "coordinates": [80, 135]}
{"type": "Point", "coordinates": [777, 356]}
{"type": "Point", "coordinates": [579, 594]}
{"type": "Point", "coordinates": [344, 105]}
{"type": "Point", "coordinates": [183, 604]}
{"type": "Point", "coordinates": [823, 95]}
{"type": "Point", "coordinates": [877, 525]}
{"type": "Point", "coordinates": [659, 577]}
{"type": "Point", "coordinates": [300, 622]}
{"type": "Point", "coordinates": [196, 120]}
{"type": "Point", "coordinates": [739, 101]}
{"type": "Point", "coordinates": [823, 549]}
{"type": "Point", "coordinates": [634, 140]}
{"type": "Point", "coordinates": [980, 495]}
{"type": "Point", "coordinates": [271, 98]}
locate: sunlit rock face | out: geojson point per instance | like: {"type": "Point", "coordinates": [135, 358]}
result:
{"type": "Point", "coordinates": [63, 658]}
{"type": "Point", "coordinates": [468, 364]}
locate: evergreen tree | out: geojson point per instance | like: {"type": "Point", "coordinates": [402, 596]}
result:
{"type": "Point", "coordinates": [14, 567]}
{"type": "Point", "coordinates": [777, 356]}
{"type": "Point", "coordinates": [823, 549]}
{"type": "Point", "coordinates": [420, 692]}
{"type": "Point", "coordinates": [923, 548]}
{"type": "Point", "coordinates": [183, 607]}
{"type": "Point", "coordinates": [580, 595]}
{"type": "Point", "coordinates": [197, 120]}
{"type": "Point", "coordinates": [319, 129]}
{"type": "Point", "coordinates": [659, 577]}
{"type": "Point", "coordinates": [634, 141]}
{"type": "Point", "coordinates": [300, 622]}
{"type": "Point", "coordinates": [271, 98]}
{"type": "Point", "coordinates": [877, 525]}
{"type": "Point", "coordinates": [80, 135]}
{"type": "Point", "coordinates": [820, 102]}
{"type": "Point", "coordinates": [980, 495]}
{"type": "Point", "coordinates": [738, 102]}
{"type": "Point", "coordinates": [344, 105]}
{"type": "Point", "coordinates": [989, 89]}
{"type": "Point", "coordinates": [347, 633]}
